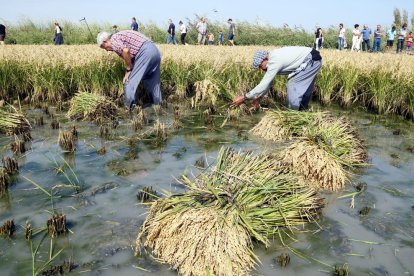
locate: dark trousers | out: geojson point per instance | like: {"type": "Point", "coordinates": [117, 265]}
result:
{"type": "Point", "coordinates": [400, 45]}
{"type": "Point", "coordinates": [183, 38]}
{"type": "Point", "coordinates": [365, 42]}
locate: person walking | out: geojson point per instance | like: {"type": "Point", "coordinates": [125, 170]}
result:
{"type": "Point", "coordinates": [390, 37]}
{"type": "Point", "coordinates": [401, 37]}
{"type": "Point", "coordinates": [356, 38]}
{"type": "Point", "coordinates": [171, 33]}
{"type": "Point", "coordinates": [58, 39]}
{"type": "Point", "coordinates": [301, 64]}
{"type": "Point", "coordinates": [201, 28]}
{"type": "Point", "coordinates": [366, 35]}
{"type": "Point", "coordinates": [232, 31]}
{"type": "Point", "coordinates": [2, 34]}
{"type": "Point", "coordinates": [142, 62]}
{"type": "Point", "coordinates": [183, 30]}
{"type": "Point", "coordinates": [378, 34]}
{"type": "Point", "coordinates": [318, 38]}
{"type": "Point", "coordinates": [341, 37]}
{"type": "Point", "coordinates": [134, 24]}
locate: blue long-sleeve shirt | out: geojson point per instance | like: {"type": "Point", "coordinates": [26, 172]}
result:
{"type": "Point", "coordinates": [281, 61]}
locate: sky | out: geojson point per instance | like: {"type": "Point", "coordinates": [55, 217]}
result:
{"type": "Point", "coordinates": [300, 13]}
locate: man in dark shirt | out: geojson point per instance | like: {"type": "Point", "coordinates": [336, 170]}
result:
{"type": "Point", "coordinates": [2, 33]}
{"type": "Point", "coordinates": [171, 33]}
{"type": "Point", "coordinates": [134, 24]}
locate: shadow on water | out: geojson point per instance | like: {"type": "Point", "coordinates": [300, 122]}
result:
{"type": "Point", "coordinates": [372, 232]}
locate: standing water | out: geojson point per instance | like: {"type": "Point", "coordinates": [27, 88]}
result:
{"type": "Point", "coordinates": [368, 228]}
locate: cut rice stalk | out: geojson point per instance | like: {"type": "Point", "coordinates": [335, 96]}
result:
{"type": "Point", "coordinates": [92, 107]}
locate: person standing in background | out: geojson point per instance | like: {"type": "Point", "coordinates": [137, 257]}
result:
{"type": "Point", "coordinates": [134, 24]}
{"type": "Point", "coordinates": [114, 29]}
{"type": "Point", "coordinates": [2, 34]}
{"type": "Point", "coordinates": [318, 38]}
{"type": "Point", "coordinates": [220, 37]}
{"type": "Point", "coordinates": [58, 39]}
{"type": "Point", "coordinates": [356, 38]}
{"type": "Point", "coordinates": [366, 35]}
{"type": "Point", "coordinates": [232, 31]}
{"type": "Point", "coordinates": [201, 28]}
{"type": "Point", "coordinates": [183, 29]}
{"type": "Point", "coordinates": [341, 37]}
{"type": "Point", "coordinates": [401, 37]}
{"type": "Point", "coordinates": [409, 41]}
{"type": "Point", "coordinates": [378, 34]}
{"type": "Point", "coordinates": [390, 37]}
{"type": "Point", "coordinates": [210, 38]}
{"type": "Point", "coordinates": [171, 32]}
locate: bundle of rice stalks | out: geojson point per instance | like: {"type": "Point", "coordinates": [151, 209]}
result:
{"type": "Point", "coordinates": [326, 147]}
{"type": "Point", "coordinates": [92, 107]}
{"type": "Point", "coordinates": [206, 95]}
{"type": "Point", "coordinates": [315, 164]}
{"type": "Point", "coordinates": [13, 122]}
{"type": "Point", "coordinates": [210, 228]}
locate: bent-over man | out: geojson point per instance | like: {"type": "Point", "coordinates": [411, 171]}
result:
{"type": "Point", "coordinates": [301, 64]}
{"type": "Point", "coordinates": [142, 62]}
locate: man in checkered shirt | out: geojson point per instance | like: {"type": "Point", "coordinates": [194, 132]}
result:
{"type": "Point", "coordinates": [142, 62]}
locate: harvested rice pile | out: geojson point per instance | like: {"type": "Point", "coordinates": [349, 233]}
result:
{"type": "Point", "coordinates": [88, 106]}
{"type": "Point", "coordinates": [324, 149]}
{"type": "Point", "coordinates": [13, 121]}
{"type": "Point", "coordinates": [211, 227]}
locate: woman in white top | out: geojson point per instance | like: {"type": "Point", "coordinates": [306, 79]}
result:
{"type": "Point", "coordinates": [183, 30]}
{"type": "Point", "coordinates": [356, 38]}
{"type": "Point", "coordinates": [58, 39]}
{"type": "Point", "coordinates": [341, 37]}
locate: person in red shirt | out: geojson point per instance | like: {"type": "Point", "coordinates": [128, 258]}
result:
{"type": "Point", "coordinates": [142, 62]}
{"type": "Point", "coordinates": [409, 42]}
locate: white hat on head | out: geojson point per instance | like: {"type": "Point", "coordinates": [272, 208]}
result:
{"type": "Point", "coordinates": [102, 36]}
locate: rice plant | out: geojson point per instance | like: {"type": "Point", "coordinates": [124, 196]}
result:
{"type": "Point", "coordinates": [244, 197]}
{"type": "Point", "coordinates": [10, 165]}
{"type": "Point", "coordinates": [7, 229]}
{"type": "Point", "coordinates": [91, 107]}
{"type": "Point", "coordinates": [56, 225]}
{"type": "Point", "coordinates": [67, 141]}
{"type": "Point", "coordinates": [13, 122]}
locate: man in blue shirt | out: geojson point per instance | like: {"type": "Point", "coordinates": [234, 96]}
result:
{"type": "Point", "coordinates": [134, 24]}
{"type": "Point", "coordinates": [366, 34]}
{"type": "Point", "coordinates": [390, 37]}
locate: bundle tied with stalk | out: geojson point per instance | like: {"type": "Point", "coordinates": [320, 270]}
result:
{"type": "Point", "coordinates": [89, 106]}
{"type": "Point", "coordinates": [12, 121]}
{"type": "Point", "coordinates": [324, 147]}
{"type": "Point", "coordinates": [211, 227]}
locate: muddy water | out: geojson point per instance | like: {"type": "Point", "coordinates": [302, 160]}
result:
{"type": "Point", "coordinates": [104, 216]}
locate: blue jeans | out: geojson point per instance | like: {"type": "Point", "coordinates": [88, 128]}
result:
{"type": "Point", "coordinates": [171, 37]}
{"type": "Point", "coordinates": [340, 43]}
{"type": "Point", "coordinates": [400, 45]}
{"type": "Point", "coordinates": [376, 47]}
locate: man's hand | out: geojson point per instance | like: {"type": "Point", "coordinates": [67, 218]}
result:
{"type": "Point", "coordinates": [256, 103]}
{"type": "Point", "coordinates": [126, 77]}
{"type": "Point", "coordinates": [238, 100]}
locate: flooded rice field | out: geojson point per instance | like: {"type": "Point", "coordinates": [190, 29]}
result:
{"type": "Point", "coordinates": [368, 228]}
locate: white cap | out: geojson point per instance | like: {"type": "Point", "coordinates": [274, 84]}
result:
{"type": "Point", "coordinates": [102, 36]}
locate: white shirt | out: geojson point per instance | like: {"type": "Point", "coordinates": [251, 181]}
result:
{"type": "Point", "coordinates": [183, 29]}
{"type": "Point", "coordinates": [57, 29]}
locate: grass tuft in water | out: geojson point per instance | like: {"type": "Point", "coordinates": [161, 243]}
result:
{"type": "Point", "coordinates": [341, 270]}
{"type": "Point", "coordinates": [55, 124]}
{"type": "Point", "coordinates": [7, 229]}
{"type": "Point", "coordinates": [283, 259]}
{"type": "Point", "coordinates": [10, 165]}
{"type": "Point", "coordinates": [28, 231]}
{"type": "Point", "coordinates": [147, 194]}
{"type": "Point", "coordinates": [67, 141]}
{"type": "Point", "coordinates": [18, 146]}
{"type": "Point", "coordinates": [56, 225]}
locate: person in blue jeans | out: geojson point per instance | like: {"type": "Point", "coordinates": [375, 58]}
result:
{"type": "Point", "coordinates": [341, 37]}
{"type": "Point", "coordinates": [366, 34]}
{"type": "Point", "coordinates": [171, 33]}
{"type": "Point", "coordinates": [401, 37]}
{"type": "Point", "coordinates": [378, 34]}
